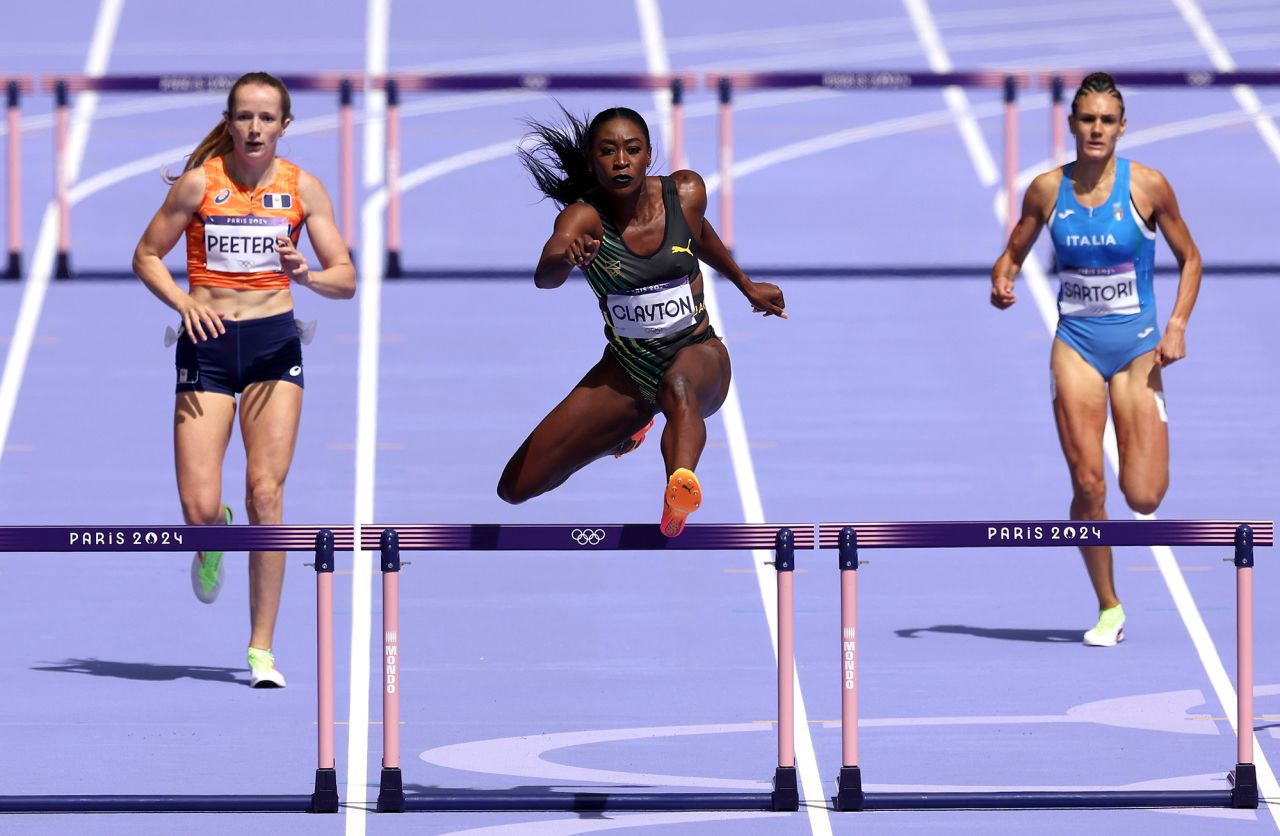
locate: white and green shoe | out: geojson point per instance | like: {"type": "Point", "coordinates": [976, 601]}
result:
{"type": "Point", "coordinates": [262, 669]}
{"type": "Point", "coordinates": [1110, 628]}
{"type": "Point", "coordinates": [207, 571]}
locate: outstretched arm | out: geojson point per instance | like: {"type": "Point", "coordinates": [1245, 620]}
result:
{"type": "Point", "coordinates": [1036, 205]}
{"type": "Point", "coordinates": [764, 297]}
{"type": "Point", "coordinates": [574, 242]}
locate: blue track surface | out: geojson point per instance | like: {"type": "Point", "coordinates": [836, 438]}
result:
{"type": "Point", "coordinates": [878, 400]}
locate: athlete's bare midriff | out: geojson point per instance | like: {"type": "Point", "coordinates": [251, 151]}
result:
{"type": "Point", "coordinates": [244, 304]}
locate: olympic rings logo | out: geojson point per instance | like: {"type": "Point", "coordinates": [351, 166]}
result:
{"type": "Point", "coordinates": [588, 536]}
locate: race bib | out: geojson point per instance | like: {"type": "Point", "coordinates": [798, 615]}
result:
{"type": "Point", "coordinates": [243, 244]}
{"type": "Point", "coordinates": [651, 312]}
{"type": "Point", "coordinates": [1098, 291]}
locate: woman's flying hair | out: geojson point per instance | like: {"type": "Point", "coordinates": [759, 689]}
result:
{"type": "Point", "coordinates": [558, 157]}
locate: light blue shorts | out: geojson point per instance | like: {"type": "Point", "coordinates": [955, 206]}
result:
{"type": "Point", "coordinates": [1109, 343]}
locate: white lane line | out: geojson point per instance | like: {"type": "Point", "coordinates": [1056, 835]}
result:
{"type": "Point", "coordinates": [41, 271]}
{"type": "Point", "coordinates": [957, 100]}
{"type": "Point", "coordinates": [1244, 94]}
{"type": "Point", "coordinates": [814, 798]}
{"type": "Point", "coordinates": [378, 24]}
{"type": "Point", "coordinates": [1268, 787]}
{"type": "Point", "coordinates": [1210, 660]}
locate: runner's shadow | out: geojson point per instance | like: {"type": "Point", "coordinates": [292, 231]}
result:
{"type": "Point", "coordinates": [145, 672]}
{"type": "Point", "coordinates": [1005, 633]}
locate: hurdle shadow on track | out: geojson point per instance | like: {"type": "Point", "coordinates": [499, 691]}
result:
{"type": "Point", "coordinates": [1015, 634]}
{"type": "Point", "coordinates": [593, 804]}
{"type": "Point", "coordinates": [144, 671]}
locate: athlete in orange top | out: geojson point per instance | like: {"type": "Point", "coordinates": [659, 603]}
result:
{"type": "Point", "coordinates": [242, 209]}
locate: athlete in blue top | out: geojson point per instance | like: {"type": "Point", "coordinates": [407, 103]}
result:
{"type": "Point", "coordinates": [638, 240]}
{"type": "Point", "coordinates": [1103, 212]}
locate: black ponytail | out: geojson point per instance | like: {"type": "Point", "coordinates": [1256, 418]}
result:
{"type": "Point", "coordinates": [558, 157]}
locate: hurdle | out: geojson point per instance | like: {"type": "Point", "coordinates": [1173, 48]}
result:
{"type": "Point", "coordinates": [726, 83]}
{"type": "Point", "coordinates": [397, 83]}
{"type": "Point", "coordinates": [390, 540]}
{"type": "Point", "coordinates": [14, 86]}
{"type": "Point", "coordinates": [98, 539]}
{"type": "Point", "coordinates": [848, 538]}
{"type": "Point", "coordinates": [62, 86]}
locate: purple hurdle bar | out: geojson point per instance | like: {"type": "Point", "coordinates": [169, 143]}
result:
{"type": "Point", "coordinates": [99, 539]}
{"type": "Point", "coordinates": [1243, 535]}
{"type": "Point", "coordinates": [854, 80]}
{"type": "Point", "coordinates": [14, 88]}
{"type": "Point", "coordinates": [399, 83]}
{"type": "Point", "coordinates": [62, 86]}
{"type": "Point", "coordinates": [389, 540]}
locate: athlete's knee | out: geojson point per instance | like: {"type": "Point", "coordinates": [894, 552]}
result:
{"type": "Point", "coordinates": [264, 498]}
{"type": "Point", "coordinates": [201, 510]}
{"type": "Point", "coordinates": [1144, 500]}
{"type": "Point", "coordinates": [1090, 493]}
{"type": "Point", "coordinates": [677, 392]}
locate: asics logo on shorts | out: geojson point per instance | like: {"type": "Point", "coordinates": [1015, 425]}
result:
{"type": "Point", "coordinates": [588, 536]}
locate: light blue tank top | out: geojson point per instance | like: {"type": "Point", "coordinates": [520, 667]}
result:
{"type": "Point", "coordinates": [1106, 254]}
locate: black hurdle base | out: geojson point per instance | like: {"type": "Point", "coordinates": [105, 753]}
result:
{"type": "Point", "coordinates": [156, 804]}
{"type": "Point", "coordinates": [549, 801]}
{"type": "Point", "coordinates": [786, 790]}
{"type": "Point", "coordinates": [849, 795]}
{"type": "Point", "coordinates": [391, 791]}
{"type": "Point", "coordinates": [1244, 786]}
{"type": "Point", "coordinates": [1103, 799]}
{"type": "Point", "coordinates": [325, 798]}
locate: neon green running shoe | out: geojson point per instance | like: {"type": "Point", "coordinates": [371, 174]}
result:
{"type": "Point", "coordinates": [207, 571]}
{"type": "Point", "coordinates": [262, 669]}
{"type": "Point", "coordinates": [1110, 629]}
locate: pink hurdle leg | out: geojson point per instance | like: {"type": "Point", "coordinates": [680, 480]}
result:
{"type": "Point", "coordinates": [325, 797]}
{"type": "Point", "coordinates": [13, 270]}
{"type": "Point", "coordinates": [393, 270]}
{"type": "Point", "coordinates": [1244, 791]}
{"type": "Point", "coordinates": [786, 669]}
{"type": "Point", "coordinates": [786, 786]}
{"type": "Point", "coordinates": [849, 795]}
{"type": "Point", "coordinates": [677, 124]}
{"type": "Point", "coordinates": [62, 269]}
{"type": "Point", "coordinates": [1010, 153]}
{"type": "Point", "coordinates": [726, 163]}
{"type": "Point", "coordinates": [391, 785]}
{"type": "Point", "coordinates": [347, 164]}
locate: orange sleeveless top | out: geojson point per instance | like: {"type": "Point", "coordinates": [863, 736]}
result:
{"type": "Point", "coordinates": [231, 240]}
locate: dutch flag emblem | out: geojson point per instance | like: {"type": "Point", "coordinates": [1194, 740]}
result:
{"type": "Point", "coordinates": [277, 200]}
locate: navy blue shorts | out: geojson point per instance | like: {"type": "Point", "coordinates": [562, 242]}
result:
{"type": "Point", "coordinates": [251, 351]}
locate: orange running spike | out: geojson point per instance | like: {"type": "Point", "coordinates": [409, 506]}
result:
{"type": "Point", "coordinates": [682, 498]}
{"type": "Point", "coordinates": [635, 441]}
